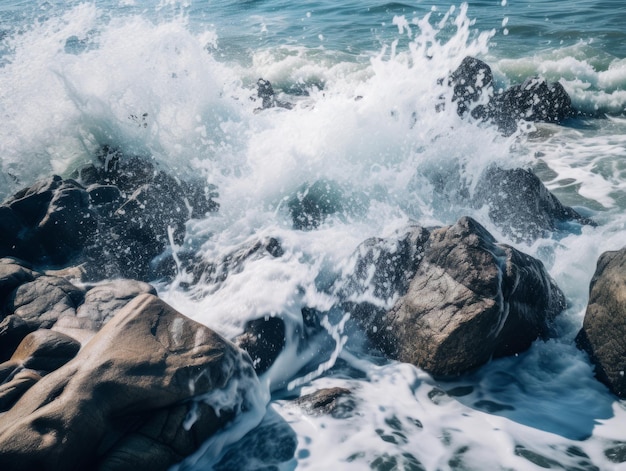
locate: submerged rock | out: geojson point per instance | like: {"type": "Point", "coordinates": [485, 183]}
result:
{"type": "Point", "coordinates": [211, 272]}
{"type": "Point", "coordinates": [268, 447]}
{"type": "Point", "coordinates": [314, 203]}
{"type": "Point", "coordinates": [266, 93]}
{"type": "Point", "coordinates": [336, 402]}
{"type": "Point", "coordinates": [121, 402]}
{"type": "Point", "coordinates": [604, 327]}
{"type": "Point", "coordinates": [469, 300]}
{"type": "Point", "coordinates": [113, 218]}
{"type": "Point", "coordinates": [263, 339]}
{"type": "Point", "coordinates": [522, 207]}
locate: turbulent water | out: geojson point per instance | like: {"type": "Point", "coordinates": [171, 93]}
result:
{"type": "Point", "coordinates": [174, 79]}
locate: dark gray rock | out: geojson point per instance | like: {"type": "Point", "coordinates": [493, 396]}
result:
{"type": "Point", "coordinates": [265, 448]}
{"type": "Point", "coordinates": [114, 219]}
{"type": "Point", "coordinates": [471, 299]}
{"type": "Point", "coordinates": [211, 272]}
{"type": "Point", "coordinates": [522, 207]}
{"type": "Point", "coordinates": [604, 327]}
{"type": "Point", "coordinates": [534, 100]}
{"type": "Point", "coordinates": [263, 339]}
{"type": "Point", "coordinates": [122, 401]}
{"type": "Point", "coordinates": [472, 83]}
{"type": "Point", "coordinates": [312, 204]}
{"type": "Point", "coordinates": [382, 268]}
{"type": "Point", "coordinates": [266, 93]}
{"type": "Point", "coordinates": [336, 402]}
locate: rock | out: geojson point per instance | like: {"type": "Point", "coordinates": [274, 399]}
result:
{"type": "Point", "coordinates": [13, 273]}
{"type": "Point", "coordinates": [13, 329]}
{"type": "Point", "coordinates": [45, 350]}
{"type": "Point", "coordinates": [13, 389]}
{"type": "Point", "coordinates": [310, 206]}
{"type": "Point", "coordinates": [122, 401]}
{"type": "Point", "coordinates": [336, 402]}
{"type": "Point", "coordinates": [10, 227]}
{"type": "Point", "coordinates": [103, 301]}
{"type": "Point", "coordinates": [68, 225]}
{"type": "Point", "coordinates": [535, 100]}
{"type": "Point", "coordinates": [381, 269]}
{"type": "Point", "coordinates": [314, 203]}
{"type": "Point", "coordinates": [522, 207]}
{"type": "Point", "coordinates": [264, 448]}
{"type": "Point", "coordinates": [266, 93]}
{"type": "Point", "coordinates": [39, 353]}
{"type": "Point", "coordinates": [31, 204]}
{"type": "Point", "coordinates": [604, 327]}
{"type": "Point", "coordinates": [210, 272]}
{"type": "Point", "coordinates": [114, 220]}
{"type": "Point", "coordinates": [263, 339]}
{"type": "Point", "coordinates": [472, 84]}
{"type": "Point", "coordinates": [54, 221]}
{"type": "Point", "coordinates": [471, 299]}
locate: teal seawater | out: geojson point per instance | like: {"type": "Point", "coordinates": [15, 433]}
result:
{"type": "Point", "coordinates": [522, 27]}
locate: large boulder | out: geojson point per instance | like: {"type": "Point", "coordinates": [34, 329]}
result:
{"type": "Point", "coordinates": [522, 207]}
{"type": "Point", "coordinates": [114, 218]}
{"type": "Point", "coordinates": [121, 403]}
{"type": "Point", "coordinates": [49, 221]}
{"type": "Point", "coordinates": [470, 299]}
{"type": "Point", "coordinates": [604, 327]}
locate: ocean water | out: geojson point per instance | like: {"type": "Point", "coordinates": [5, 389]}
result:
{"type": "Point", "coordinates": [173, 80]}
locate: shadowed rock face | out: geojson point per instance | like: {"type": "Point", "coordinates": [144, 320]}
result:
{"type": "Point", "coordinates": [522, 207]}
{"type": "Point", "coordinates": [604, 329]}
{"type": "Point", "coordinates": [470, 299]}
{"type": "Point", "coordinates": [112, 218]}
{"type": "Point", "coordinates": [121, 402]}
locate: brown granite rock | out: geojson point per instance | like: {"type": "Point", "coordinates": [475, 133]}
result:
{"type": "Point", "coordinates": [603, 335]}
{"type": "Point", "coordinates": [121, 402]}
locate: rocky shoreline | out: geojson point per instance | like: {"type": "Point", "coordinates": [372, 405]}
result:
{"type": "Point", "coordinates": [97, 372]}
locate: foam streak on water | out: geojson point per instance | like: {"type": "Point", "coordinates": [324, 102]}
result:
{"type": "Point", "coordinates": [175, 81]}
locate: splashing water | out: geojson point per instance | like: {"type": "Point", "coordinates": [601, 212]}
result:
{"type": "Point", "coordinates": [381, 127]}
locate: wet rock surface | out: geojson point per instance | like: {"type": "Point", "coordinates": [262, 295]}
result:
{"type": "Point", "coordinates": [470, 299]}
{"type": "Point", "coordinates": [534, 100]}
{"type": "Point", "coordinates": [111, 218]}
{"type": "Point", "coordinates": [604, 327]}
{"type": "Point", "coordinates": [120, 403]}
